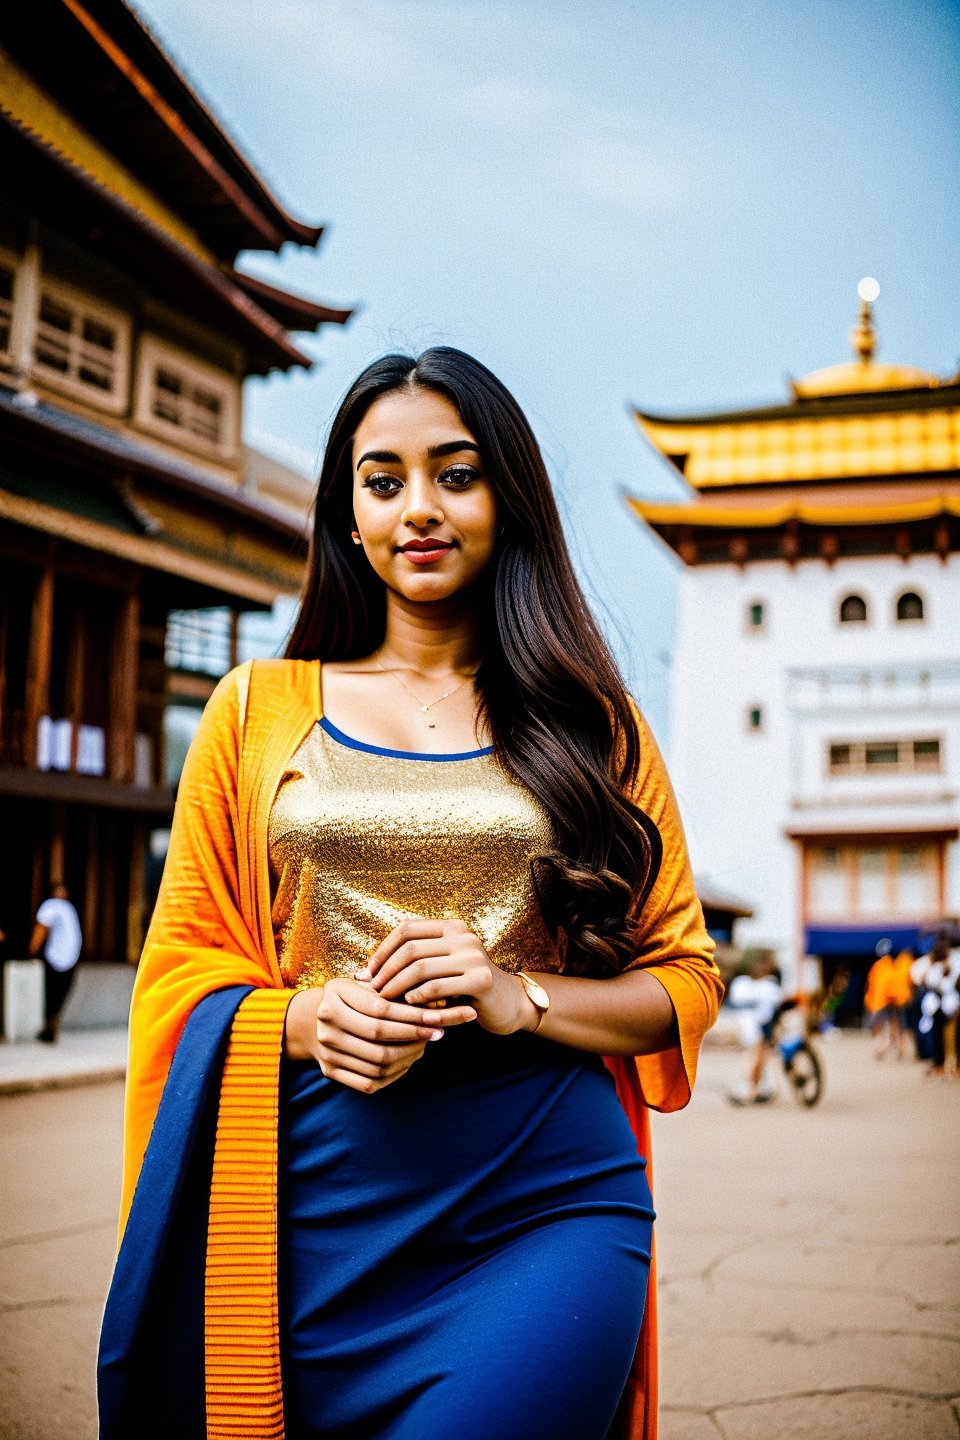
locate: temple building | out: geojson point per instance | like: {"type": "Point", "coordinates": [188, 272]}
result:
{"type": "Point", "coordinates": [136, 530]}
{"type": "Point", "coordinates": [815, 701]}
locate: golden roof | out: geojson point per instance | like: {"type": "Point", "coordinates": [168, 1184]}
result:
{"type": "Point", "coordinates": [858, 419]}
{"type": "Point", "coordinates": [705, 514]}
{"type": "Point", "coordinates": [862, 377]}
{"type": "Point", "coordinates": [781, 447]}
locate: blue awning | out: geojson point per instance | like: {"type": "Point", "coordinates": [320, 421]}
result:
{"type": "Point", "coordinates": [859, 939]}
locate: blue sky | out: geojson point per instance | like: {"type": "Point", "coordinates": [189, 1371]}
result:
{"type": "Point", "coordinates": [668, 204]}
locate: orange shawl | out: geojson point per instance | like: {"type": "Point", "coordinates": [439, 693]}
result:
{"type": "Point", "coordinates": [212, 929]}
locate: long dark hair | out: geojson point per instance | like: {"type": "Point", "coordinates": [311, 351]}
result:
{"type": "Point", "coordinates": [548, 687]}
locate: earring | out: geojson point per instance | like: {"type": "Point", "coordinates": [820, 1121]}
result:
{"type": "Point", "coordinates": [355, 536]}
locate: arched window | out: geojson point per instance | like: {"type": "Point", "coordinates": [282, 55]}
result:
{"type": "Point", "coordinates": [910, 606]}
{"type": "Point", "coordinates": [853, 610]}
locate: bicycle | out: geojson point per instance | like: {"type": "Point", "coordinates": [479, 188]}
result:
{"type": "Point", "coordinates": [802, 1067]}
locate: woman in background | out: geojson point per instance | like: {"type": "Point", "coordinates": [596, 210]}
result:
{"type": "Point", "coordinates": [426, 948]}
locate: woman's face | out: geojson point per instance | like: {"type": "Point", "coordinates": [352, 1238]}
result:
{"type": "Point", "coordinates": [424, 507]}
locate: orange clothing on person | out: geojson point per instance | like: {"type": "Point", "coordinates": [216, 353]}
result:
{"type": "Point", "coordinates": [212, 928]}
{"type": "Point", "coordinates": [888, 982]}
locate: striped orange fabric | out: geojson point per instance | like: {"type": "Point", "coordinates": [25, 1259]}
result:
{"type": "Point", "coordinates": [242, 1333]}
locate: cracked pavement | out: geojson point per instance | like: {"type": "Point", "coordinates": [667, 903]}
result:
{"type": "Point", "coordinates": [809, 1260]}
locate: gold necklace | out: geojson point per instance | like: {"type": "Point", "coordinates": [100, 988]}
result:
{"type": "Point", "coordinates": [432, 724]}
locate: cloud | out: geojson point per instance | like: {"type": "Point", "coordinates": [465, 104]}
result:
{"type": "Point", "coordinates": [505, 78]}
{"type": "Point", "coordinates": [597, 147]}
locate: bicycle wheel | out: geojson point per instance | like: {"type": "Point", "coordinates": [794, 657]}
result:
{"type": "Point", "coordinates": [805, 1075]}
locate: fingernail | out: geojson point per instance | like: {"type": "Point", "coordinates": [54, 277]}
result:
{"type": "Point", "coordinates": [362, 975]}
{"type": "Point", "coordinates": [436, 1034]}
{"type": "Point", "coordinates": [413, 999]}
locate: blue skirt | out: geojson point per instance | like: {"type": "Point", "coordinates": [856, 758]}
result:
{"type": "Point", "coordinates": [465, 1253]}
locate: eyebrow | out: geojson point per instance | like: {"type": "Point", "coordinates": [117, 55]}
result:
{"type": "Point", "coordinates": [449, 447]}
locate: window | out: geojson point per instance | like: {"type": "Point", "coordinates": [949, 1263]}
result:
{"type": "Point", "coordinates": [880, 880]}
{"type": "Point", "coordinates": [187, 404]}
{"type": "Point", "coordinates": [186, 401]}
{"type": "Point", "coordinates": [829, 884]}
{"type": "Point", "coordinates": [756, 617]}
{"type": "Point", "coordinates": [853, 610]}
{"type": "Point", "coordinates": [81, 347]}
{"type": "Point", "coordinates": [6, 307]}
{"type": "Point", "coordinates": [909, 606]}
{"type": "Point", "coordinates": [755, 718]}
{"type": "Point", "coordinates": [865, 757]}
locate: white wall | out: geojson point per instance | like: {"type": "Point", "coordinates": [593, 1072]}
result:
{"type": "Point", "coordinates": [741, 790]}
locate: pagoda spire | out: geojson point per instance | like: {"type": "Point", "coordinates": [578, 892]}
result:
{"type": "Point", "coordinates": [863, 336]}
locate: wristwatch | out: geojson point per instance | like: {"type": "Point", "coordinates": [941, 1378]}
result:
{"type": "Point", "coordinates": [536, 995]}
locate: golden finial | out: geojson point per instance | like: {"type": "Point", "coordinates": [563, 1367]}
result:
{"type": "Point", "coordinates": [863, 337]}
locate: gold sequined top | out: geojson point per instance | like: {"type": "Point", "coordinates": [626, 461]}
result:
{"type": "Point", "coordinates": [359, 837]}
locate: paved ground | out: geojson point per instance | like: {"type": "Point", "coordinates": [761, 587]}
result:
{"type": "Point", "coordinates": [78, 1057]}
{"type": "Point", "coordinates": [59, 1163]}
{"type": "Point", "coordinates": [810, 1261]}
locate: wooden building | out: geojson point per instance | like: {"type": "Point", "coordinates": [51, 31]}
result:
{"type": "Point", "coordinates": [132, 537]}
{"type": "Point", "coordinates": [815, 693]}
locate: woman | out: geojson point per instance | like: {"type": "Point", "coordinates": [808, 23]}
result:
{"type": "Point", "coordinates": [424, 873]}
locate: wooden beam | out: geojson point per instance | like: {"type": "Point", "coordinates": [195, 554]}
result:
{"type": "Point", "coordinates": [125, 654]}
{"type": "Point", "coordinates": [112, 852]}
{"type": "Point", "coordinates": [5, 738]}
{"type": "Point", "coordinates": [903, 542]}
{"type": "Point", "coordinates": [829, 546]}
{"type": "Point", "coordinates": [91, 884]}
{"type": "Point", "coordinates": [75, 679]}
{"type": "Point", "coordinates": [234, 638]}
{"type": "Point", "coordinates": [790, 542]}
{"type": "Point", "coordinates": [136, 892]}
{"type": "Point", "coordinates": [38, 663]}
{"type": "Point", "coordinates": [40, 826]}
{"type": "Point", "coordinates": [687, 547]}
{"type": "Point", "coordinates": [183, 687]}
{"type": "Point", "coordinates": [941, 539]}
{"type": "Point", "coordinates": [33, 547]}
{"type": "Point", "coordinates": [47, 785]}
{"type": "Point", "coordinates": [56, 874]}
{"type": "Point", "coordinates": [229, 583]}
{"type": "Point", "coordinates": [739, 551]}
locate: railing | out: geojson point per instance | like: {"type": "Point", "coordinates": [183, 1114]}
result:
{"type": "Point", "coordinates": [873, 687]}
{"type": "Point", "coordinates": [199, 641]}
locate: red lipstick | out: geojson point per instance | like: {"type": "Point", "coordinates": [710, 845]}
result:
{"type": "Point", "coordinates": [424, 552]}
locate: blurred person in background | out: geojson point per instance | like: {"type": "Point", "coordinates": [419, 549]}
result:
{"type": "Point", "coordinates": [56, 937]}
{"type": "Point", "coordinates": [757, 999]}
{"type": "Point", "coordinates": [938, 975]}
{"type": "Point", "coordinates": [886, 998]}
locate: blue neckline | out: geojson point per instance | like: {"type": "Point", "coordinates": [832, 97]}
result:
{"type": "Point", "coordinates": [352, 744]}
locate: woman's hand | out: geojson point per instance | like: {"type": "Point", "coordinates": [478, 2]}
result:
{"type": "Point", "coordinates": [427, 960]}
{"type": "Point", "coordinates": [359, 1037]}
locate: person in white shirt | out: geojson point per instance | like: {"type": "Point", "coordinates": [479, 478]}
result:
{"type": "Point", "coordinates": [757, 1000]}
{"type": "Point", "coordinates": [58, 938]}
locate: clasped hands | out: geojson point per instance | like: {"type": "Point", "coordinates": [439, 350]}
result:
{"type": "Point", "coordinates": [367, 1032]}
